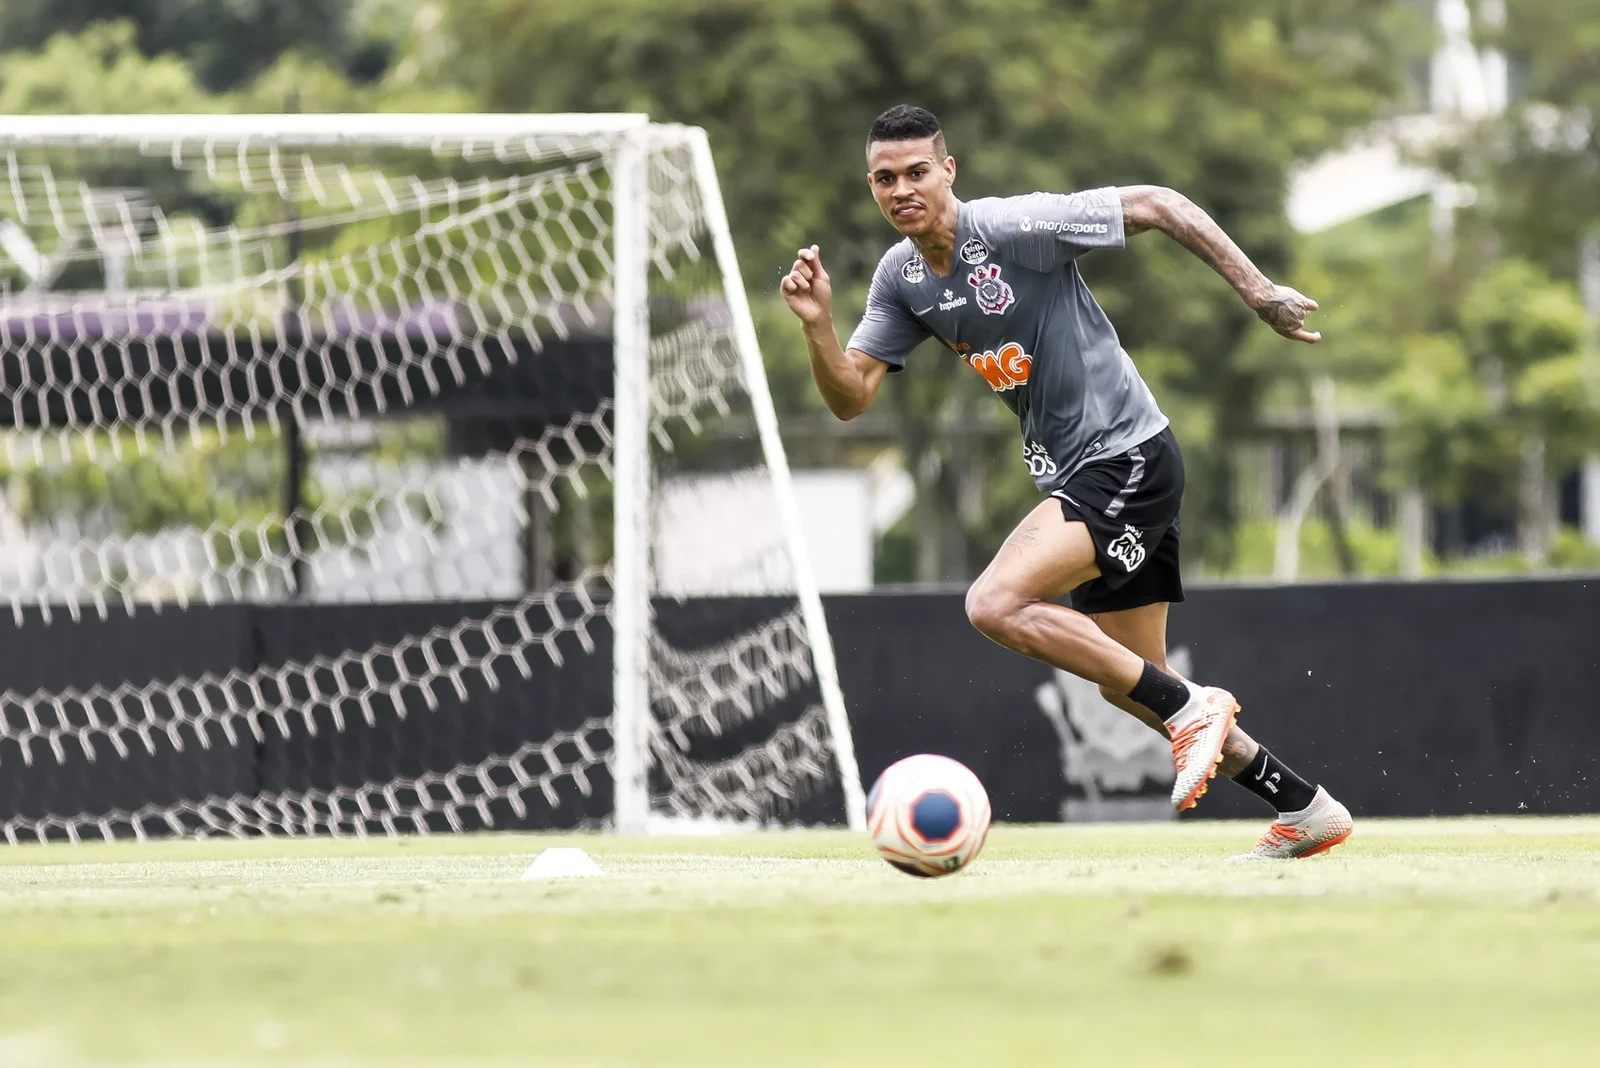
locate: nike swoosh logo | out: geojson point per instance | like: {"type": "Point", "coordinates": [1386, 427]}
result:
{"type": "Point", "coordinates": [922, 311]}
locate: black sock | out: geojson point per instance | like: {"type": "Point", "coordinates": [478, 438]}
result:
{"type": "Point", "coordinates": [1271, 780]}
{"type": "Point", "coordinates": [1163, 694]}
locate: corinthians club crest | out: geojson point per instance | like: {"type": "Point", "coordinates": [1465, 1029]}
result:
{"type": "Point", "coordinates": [994, 295]}
{"type": "Point", "coordinates": [1128, 548]}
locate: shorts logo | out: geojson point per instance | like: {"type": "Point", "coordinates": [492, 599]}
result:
{"type": "Point", "coordinates": [914, 271]}
{"type": "Point", "coordinates": [974, 252]}
{"type": "Point", "coordinates": [1006, 369]}
{"type": "Point", "coordinates": [1127, 549]}
{"type": "Point", "coordinates": [994, 295]}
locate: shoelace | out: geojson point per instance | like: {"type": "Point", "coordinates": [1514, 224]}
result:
{"type": "Point", "coordinates": [1184, 741]}
{"type": "Point", "coordinates": [1281, 834]}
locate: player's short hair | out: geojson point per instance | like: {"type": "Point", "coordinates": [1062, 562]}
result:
{"type": "Point", "coordinates": [907, 122]}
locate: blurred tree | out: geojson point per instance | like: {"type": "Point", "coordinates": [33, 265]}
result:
{"type": "Point", "coordinates": [1501, 403]}
{"type": "Point", "coordinates": [227, 43]}
{"type": "Point", "coordinates": [1217, 100]}
{"type": "Point", "coordinates": [1535, 170]}
{"type": "Point", "coordinates": [98, 71]}
{"type": "Point", "coordinates": [1539, 165]}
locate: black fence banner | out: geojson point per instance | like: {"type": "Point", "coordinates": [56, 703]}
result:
{"type": "Point", "coordinates": [1404, 699]}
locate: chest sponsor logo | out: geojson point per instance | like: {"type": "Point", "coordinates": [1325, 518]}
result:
{"type": "Point", "coordinates": [951, 301]}
{"type": "Point", "coordinates": [974, 252]}
{"type": "Point", "coordinates": [1003, 370]}
{"type": "Point", "coordinates": [1127, 549]}
{"type": "Point", "coordinates": [914, 271]}
{"type": "Point", "coordinates": [994, 294]}
{"type": "Point", "coordinates": [1056, 226]}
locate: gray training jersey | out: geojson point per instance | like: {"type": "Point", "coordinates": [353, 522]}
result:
{"type": "Point", "coordinates": [1015, 308]}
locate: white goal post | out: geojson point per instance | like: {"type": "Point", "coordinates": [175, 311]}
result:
{"type": "Point", "coordinates": [172, 283]}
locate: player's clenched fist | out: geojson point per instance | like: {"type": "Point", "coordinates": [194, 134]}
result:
{"type": "Point", "coordinates": [807, 287]}
{"type": "Point", "coordinates": [1285, 311]}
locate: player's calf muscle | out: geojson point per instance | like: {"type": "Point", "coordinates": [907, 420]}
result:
{"type": "Point", "coordinates": [1237, 752]}
{"type": "Point", "coordinates": [1052, 633]}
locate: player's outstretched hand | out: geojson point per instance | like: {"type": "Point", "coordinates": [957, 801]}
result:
{"type": "Point", "coordinates": [807, 287]}
{"type": "Point", "coordinates": [1286, 310]}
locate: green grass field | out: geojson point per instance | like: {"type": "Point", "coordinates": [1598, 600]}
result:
{"type": "Point", "coordinates": [1450, 942]}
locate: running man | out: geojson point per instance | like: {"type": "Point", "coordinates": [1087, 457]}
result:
{"type": "Point", "coordinates": [996, 282]}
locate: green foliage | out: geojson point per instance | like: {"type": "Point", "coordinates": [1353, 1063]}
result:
{"type": "Point", "coordinates": [229, 486]}
{"type": "Point", "coordinates": [1375, 282]}
{"type": "Point", "coordinates": [226, 43]}
{"type": "Point", "coordinates": [1554, 399]}
{"type": "Point", "coordinates": [1377, 551]}
{"type": "Point", "coordinates": [1467, 401]}
{"type": "Point", "coordinates": [1217, 100]}
{"type": "Point", "coordinates": [1034, 95]}
{"type": "Point", "coordinates": [1517, 315]}
{"type": "Point", "coordinates": [1473, 359]}
{"type": "Point", "coordinates": [164, 56]}
{"type": "Point", "coordinates": [1445, 438]}
{"type": "Point", "coordinates": [1542, 162]}
{"type": "Point", "coordinates": [224, 479]}
{"type": "Point", "coordinates": [894, 558]}
{"type": "Point", "coordinates": [1477, 348]}
{"type": "Point", "coordinates": [1568, 552]}
{"type": "Point", "coordinates": [99, 71]}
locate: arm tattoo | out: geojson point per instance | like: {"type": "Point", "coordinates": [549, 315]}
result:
{"type": "Point", "coordinates": [1192, 228]}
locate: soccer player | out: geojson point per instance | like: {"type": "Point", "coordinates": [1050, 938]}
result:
{"type": "Point", "coordinates": [996, 282]}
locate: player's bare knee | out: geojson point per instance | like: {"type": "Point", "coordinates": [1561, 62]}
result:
{"type": "Point", "coordinates": [984, 609]}
{"type": "Point", "coordinates": [992, 611]}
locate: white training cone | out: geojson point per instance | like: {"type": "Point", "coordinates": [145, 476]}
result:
{"type": "Point", "coordinates": [562, 862]}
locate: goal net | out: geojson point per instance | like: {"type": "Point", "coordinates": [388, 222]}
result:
{"type": "Point", "coordinates": [387, 474]}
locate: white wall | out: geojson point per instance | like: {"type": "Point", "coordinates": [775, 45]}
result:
{"type": "Point", "coordinates": [720, 533]}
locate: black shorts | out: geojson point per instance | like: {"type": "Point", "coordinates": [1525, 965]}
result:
{"type": "Point", "coordinates": [1130, 505]}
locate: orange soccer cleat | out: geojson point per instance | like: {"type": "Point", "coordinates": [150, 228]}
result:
{"type": "Point", "coordinates": [1315, 829]}
{"type": "Point", "coordinates": [1197, 736]}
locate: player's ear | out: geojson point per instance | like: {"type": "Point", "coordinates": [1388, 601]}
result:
{"type": "Point", "coordinates": [950, 169]}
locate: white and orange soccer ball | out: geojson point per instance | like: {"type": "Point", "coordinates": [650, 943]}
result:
{"type": "Point", "coordinates": [928, 815]}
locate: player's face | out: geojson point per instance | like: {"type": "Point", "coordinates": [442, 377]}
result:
{"type": "Point", "coordinates": [911, 181]}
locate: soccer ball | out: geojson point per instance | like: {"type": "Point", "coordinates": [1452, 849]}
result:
{"type": "Point", "coordinates": [928, 815]}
